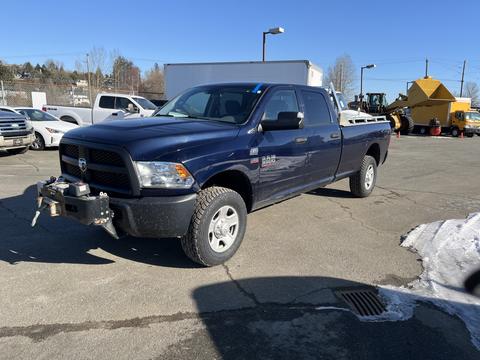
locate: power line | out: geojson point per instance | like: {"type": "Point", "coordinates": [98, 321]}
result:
{"type": "Point", "coordinates": [41, 55]}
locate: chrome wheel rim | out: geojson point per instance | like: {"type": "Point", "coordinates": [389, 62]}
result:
{"type": "Point", "coordinates": [223, 229]}
{"type": "Point", "coordinates": [369, 177]}
{"type": "Point", "coordinates": [36, 143]}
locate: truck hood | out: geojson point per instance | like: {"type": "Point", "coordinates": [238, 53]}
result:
{"type": "Point", "coordinates": [152, 138]}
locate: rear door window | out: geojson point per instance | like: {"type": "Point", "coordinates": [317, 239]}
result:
{"type": "Point", "coordinates": [316, 109]}
{"type": "Point", "coordinates": [107, 102]}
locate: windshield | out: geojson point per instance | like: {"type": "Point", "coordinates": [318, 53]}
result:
{"type": "Point", "coordinates": [472, 116]}
{"type": "Point", "coordinates": [144, 103]}
{"type": "Point", "coordinates": [226, 103]}
{"type": "Point", "coordinates": [37, 115]}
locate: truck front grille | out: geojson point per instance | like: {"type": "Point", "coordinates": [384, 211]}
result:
{"type": "Point", "coordinates": [105, 170]}
{"type": "Point", "coordinates": [12, 126]}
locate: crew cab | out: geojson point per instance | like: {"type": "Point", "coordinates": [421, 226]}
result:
{"type": "Point", "coordinates": [106, 107]}
{"type": "Point", "coordinates": [208, 158]}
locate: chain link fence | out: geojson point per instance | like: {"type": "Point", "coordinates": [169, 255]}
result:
{"type": "Point", "coordinates": [19, 93]}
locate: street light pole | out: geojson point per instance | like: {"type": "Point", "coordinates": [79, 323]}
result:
{"type": "Point", "coordinates": [273, 31]}
{"type": "Point", "coordinates": [370, 66]}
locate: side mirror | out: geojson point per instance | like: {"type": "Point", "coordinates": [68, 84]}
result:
{"type": "Point", "coordinates": [132, 109]}
{"type": "Point", "coordinates": [459, 115]}
{"type": "Point", "coordinates": [287, 120]}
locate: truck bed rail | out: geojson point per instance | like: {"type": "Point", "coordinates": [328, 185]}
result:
{"type": "Point", "coordinates": [357, 120]}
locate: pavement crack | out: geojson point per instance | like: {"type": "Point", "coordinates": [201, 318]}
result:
{"type": "Point", "coordinates": [362, 223]}
{"type": "Point", "coordinates": [248, 294]}
{"type": "Point", "coordinates": [41, 332]}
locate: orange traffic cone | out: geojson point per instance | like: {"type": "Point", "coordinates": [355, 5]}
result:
{"type": "Point", "coordinates": [398, 134]}
{"type": "Point", "coordinates": [461, 135]}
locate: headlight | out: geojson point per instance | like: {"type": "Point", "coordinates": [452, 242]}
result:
{"type": "Point", "coordinates": [28, 125]}
{"type": "Point", "coordinates": [156, 174]}
{"type": "Point", "coordinates": [53, 131]}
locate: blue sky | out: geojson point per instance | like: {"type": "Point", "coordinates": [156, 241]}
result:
{"type": "Point", "coordinates": [396, 35]}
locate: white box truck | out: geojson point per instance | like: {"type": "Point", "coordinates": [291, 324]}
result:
{"type": "Point", "coordinates": [180, 77]}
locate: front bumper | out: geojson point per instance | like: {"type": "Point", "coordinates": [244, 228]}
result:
{"type": "Point", "coordinates": [154, 217]}
{"type": "Point", "coordinates": [13, 142]}
{"type": "Point", "coordinates": [54, 140]}
{"type": "Point", "coordinates": [471, 130]}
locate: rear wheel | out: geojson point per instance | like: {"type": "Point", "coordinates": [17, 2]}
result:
{"type": "Point", "coordinates": [17, 151]}
{"type": "Point", "coordinates": [217, 226]}
{"type": "Point", "coordinates": [363, 182]}
{"type": "Point", "coordinates": [422, 130]}
{"type": "Point", "coordinates": [38, 143]}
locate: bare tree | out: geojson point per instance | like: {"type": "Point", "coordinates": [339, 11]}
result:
{"type": "Point", "coordinates": [472, 91]}
{"type": "Point", "coordinates": [342, 75]}
{"type": "Point", "coordinates": [97, 59]}
{"type": "Point", "coordinates": [153, 84]}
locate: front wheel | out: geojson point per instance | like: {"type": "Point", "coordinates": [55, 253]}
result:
{"type": "Point", "coordinates": [217, 227]}
{"type": "Point", "coordinates": [455, 132]}
{"type": "Point", "coordinates": [363, 182]}
{"type": "Point", "coordinates": [38, 143]}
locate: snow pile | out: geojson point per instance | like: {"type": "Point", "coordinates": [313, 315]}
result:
{"type": "Point", "coordinates": [450, 251]}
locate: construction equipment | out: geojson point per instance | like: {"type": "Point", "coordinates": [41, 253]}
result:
{"type": "Point", "coordinates": [376, 104]}
{"type": "Point", "coordinates": [427, 103]}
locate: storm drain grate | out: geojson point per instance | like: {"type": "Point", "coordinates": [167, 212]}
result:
{"type": "Point", "coordinates": [364, 302]}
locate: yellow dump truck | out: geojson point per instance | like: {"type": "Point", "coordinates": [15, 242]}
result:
{"type": "Point", "coordinates": [429, 99]}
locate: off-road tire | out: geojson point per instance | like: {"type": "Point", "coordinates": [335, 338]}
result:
{"type": "Point", "coordinates": [357, 181]}
{"type": "Point", "coordinates": [195, 243]}
{"type": "Point", "coordinates": [17, 151]}
{"type": "Point", "coordinates": [407, 125]}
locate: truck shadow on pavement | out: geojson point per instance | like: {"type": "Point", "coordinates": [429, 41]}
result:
{"type": "Point", "coordinates": [302, 318]}
{"type": "Point", "coordinates": [60, 240]}
{"type": "Point", "coordinates": [329, 192]}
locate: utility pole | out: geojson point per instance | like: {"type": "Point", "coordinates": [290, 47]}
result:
{"type": "Point", "coordinates": [88, 79]}
{"type": "Point", "coordinates": [426, 67]}
{"type": "Point", "coordinates": [341, 78]}
{"type": "Point", "coordinates": [463, 77]}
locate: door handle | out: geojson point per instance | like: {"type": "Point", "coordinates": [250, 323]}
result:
{"type": "Point", "coordinates": [115, 114]}
{"type": "Point", "coordinates": [335, 135]}
{"type": "Point", "coordinates": [301, 140]}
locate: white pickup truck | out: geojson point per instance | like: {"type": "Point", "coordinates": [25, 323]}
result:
{"type": "Point", "coordinates": [106, 107]}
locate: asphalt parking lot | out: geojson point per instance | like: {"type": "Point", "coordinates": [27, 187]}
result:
{"type": "Point", "coordinates": [71, 291]}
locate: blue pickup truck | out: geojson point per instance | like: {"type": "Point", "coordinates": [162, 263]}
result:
{"type": "Point", "coordinates": [208, 158]}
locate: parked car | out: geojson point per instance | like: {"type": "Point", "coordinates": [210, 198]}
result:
{"type": "Point", "coordinates": [106, 107]}
{"type": "Point", "coordinates": [209, 157]}
{"type": "Point", "coordinates": [47, 128]}
{"type": "Point", "coordinates": [16, 133]}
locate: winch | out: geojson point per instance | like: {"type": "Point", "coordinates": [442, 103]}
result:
{"type": "Point", "coordinates": [61, 198]}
